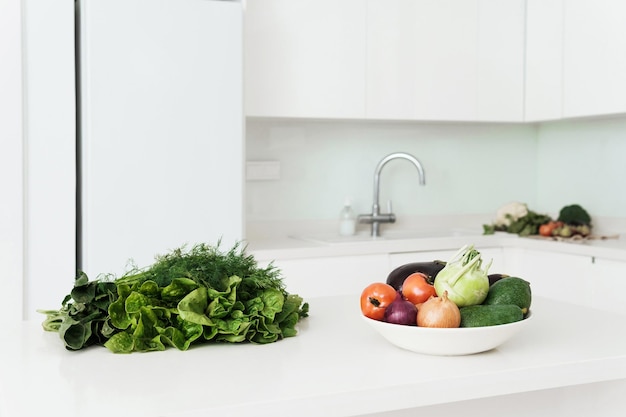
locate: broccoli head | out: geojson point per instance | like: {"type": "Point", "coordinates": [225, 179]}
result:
{"type": "Point", "coordinates": [574, 214]}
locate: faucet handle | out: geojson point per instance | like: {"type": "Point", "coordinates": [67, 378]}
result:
{"type": "Point", "coordinates": [389, 209]}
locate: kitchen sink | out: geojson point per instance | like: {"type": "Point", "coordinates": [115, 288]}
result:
{"type": "Point", "coordinates": [333, 238]}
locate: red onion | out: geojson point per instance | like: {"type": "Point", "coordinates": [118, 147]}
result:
{"type": "Point", "coordinates": [401, 311]}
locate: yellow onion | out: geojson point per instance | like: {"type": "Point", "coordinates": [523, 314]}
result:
{"type": "Point", "coordinates": [439, 312]}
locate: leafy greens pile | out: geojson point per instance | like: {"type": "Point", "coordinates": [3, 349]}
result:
{"type": "Point", "coordinates": [515, 217]}
{"type": "Point", "coordinates": [524, 226]}
{"type": "Point", "coordinates": [186, 297]}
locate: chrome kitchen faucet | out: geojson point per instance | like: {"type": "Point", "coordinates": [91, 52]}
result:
{"type": "Point", "coordinates": [376, 217]}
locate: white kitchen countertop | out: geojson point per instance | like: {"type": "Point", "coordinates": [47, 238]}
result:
{"type": "Point", "coordinates": [295, 248]}
{"type": "Point", "coordinates": [300, 239]}
{"type": "Point", "coordinates": [335, 366]}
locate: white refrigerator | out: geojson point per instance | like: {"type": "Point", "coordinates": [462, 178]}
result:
{"type": "Point", "coordinates": [161, 129]}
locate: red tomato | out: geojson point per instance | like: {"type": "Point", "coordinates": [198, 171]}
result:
{"type": "Point", "coordinates": [375, 298]}
{"type": "Point", "coordinates": [547, 228]}
{"type": "Point", "coordinates": [416, 288]}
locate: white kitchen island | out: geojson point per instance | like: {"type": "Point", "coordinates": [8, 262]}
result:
{"type": "Point", "coordinates": [570, 360]}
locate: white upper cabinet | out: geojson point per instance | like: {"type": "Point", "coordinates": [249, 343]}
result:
{"type": "Point", "coordinates": [500, 60]}
{"type": "Point", "coordinates": [421, 58]}
{"type": "Point", "coordinates": [305, 58]}
{"type": "Point", "coordinates": [445, 59]}
{"type": "Point", "coordinates": [544, 60]}
{"type": "Point", "coordinates": [594, 57]}
{"type": "Point", "coordinates": [575, 58]}
{"type": "Point", "coordinates": [452, 60]}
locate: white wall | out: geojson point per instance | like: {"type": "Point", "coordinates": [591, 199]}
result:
{"type": "Point", "coordinates": [49, 146]}
{"type": "Point", "coordinates": [584, 162]}
{"type": "Point", "coordinates": [37, 173]}
{"type": "Point", "coordinates": [11, 161]}
{"type": "Point", "coordinates": [470, 168]}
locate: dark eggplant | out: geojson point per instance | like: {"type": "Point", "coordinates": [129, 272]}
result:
{"type": "Point", "coordinates": [493, 278]}
{"type": "Point", "coordinates": [430, 269]}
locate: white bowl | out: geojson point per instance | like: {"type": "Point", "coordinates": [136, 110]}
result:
{"type": "Point", "coordinates": [448, 342]}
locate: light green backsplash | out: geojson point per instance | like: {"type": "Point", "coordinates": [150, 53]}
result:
{"type": "Point", "coordinates": [583, 162]}
{"type": "Point", "coordinates": [470, 168]}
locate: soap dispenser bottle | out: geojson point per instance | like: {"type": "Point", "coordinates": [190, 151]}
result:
{"type": "Point", "coordinates": [347, 219]}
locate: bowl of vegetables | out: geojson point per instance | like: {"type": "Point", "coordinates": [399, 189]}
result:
{"type": "Point", "coordinates": [448, 308]}
{"type": "Point", "coordinates": [447, 341]}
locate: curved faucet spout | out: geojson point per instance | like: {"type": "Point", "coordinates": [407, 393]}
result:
{"type": "Point", "coordinates": [375, 218]}
{"type": "Point", "coordinates": [383, 162]}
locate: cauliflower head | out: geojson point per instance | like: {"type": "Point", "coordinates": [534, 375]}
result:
{"type": "Point", "coordinates": [510, 212]}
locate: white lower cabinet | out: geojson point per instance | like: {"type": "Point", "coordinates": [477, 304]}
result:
{"type": "Point", "coordinates": [335, 275]}
{"type": "Point", "coordinates": [559, 276]}
{"type": "Point", "coordinates": [399, 259]}
{"type": "Point", "coordinates": [495, 254]}
{"type": "Point", "coordinates": [607, 281]}
{"type": "Point", "coordinates": [579, 279]}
